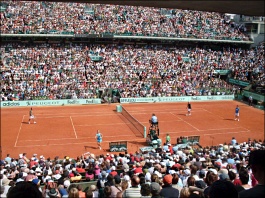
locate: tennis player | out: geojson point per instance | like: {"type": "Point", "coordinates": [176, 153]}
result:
{"type": "Point", "coordinates": [189, 109]}
{"type": "Point", "coordinates": [99, 139]}
{"type": "Point", "coordinates": [237, 113]}
{"type": "Point", "coordinates": [31, 116]}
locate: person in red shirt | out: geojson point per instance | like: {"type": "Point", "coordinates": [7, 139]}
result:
{"type": "Point", "coordinates": [138, 169]}
{"type": "Point", "coordinates": [79, 169]}
{"type": "Point", "coordinates": [108, 157]}
{"type": "Point", "coordinates": [132, 158]}
{"type": "Point", "coordinates": [113, 171]}
{"type": "Point", "coordinates": [32, 163]}
{"type": "Point", "coordinates": [170, 149]}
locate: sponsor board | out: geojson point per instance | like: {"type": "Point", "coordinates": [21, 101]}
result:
{"type": "Point", "coordinates": [177, 99]}
{"type": "Point", "coordinates": [42, 103]}
{"type": "Point", "coordinates": [73, 102]}
{"type": "Point", "coordinates": [49, 102]}
{"type": "Point", "coordinates": [146, 148]}
{"type": "Point", "coordinates": [10, 104]}
{"type": "Point", "coordinates": [195, 98]}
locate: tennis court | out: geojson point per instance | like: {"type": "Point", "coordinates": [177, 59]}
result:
{"type": "Point", "coordinates": [70, 130]}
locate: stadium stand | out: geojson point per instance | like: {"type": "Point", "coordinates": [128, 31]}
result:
{"type": "Point", "coordinates": [59, 69]}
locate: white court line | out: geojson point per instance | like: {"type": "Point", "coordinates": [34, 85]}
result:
{"type": "Point", "coordinates": [164, 111]}
{"type": "Point", "coordinates": [66, 116]}
{"type": "Point", "coordinates": [19, 130]}
{"type": "Point", "coordinates": [203, 134]}
{"type": "Point", "coordinates": [73, 127]}
{"type": "Point", "coordinates": [163, 121]}
{"type": "Point", "coordinates": [119, 123]}
{"type": "Point", "coordinates": [186, 122]}
{"type": "Point", "coordinates": [97, 112]}
{"type": "Point", "coordinates": [245, 128]}
{"type": "Point", "coordinates": [226, 133]}
{"type": "Point", "coordinates": [111, 136]}
{"type": "Point", "coordinates": [213, 114]}
{"type": "Point", "coordinates": [94, 142]}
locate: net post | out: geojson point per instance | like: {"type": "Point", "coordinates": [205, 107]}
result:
{"type": "Point", "coordinates": [144, 132]}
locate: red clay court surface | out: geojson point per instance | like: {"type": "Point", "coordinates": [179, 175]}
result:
{"type": "Point", "coordinates": [70, 130]}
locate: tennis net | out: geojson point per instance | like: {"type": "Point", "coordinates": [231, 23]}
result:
{"type": "Point", "coordinates": [137, 126]}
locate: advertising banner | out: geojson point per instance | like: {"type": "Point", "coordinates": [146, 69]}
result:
{"type": "Point", "coordinates": [32, 103]}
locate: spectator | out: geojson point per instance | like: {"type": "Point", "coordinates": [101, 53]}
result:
{"type": "Point", "coordinates": [233, 141]}
{"type": "Point", "coordinates": [210, 178]}
{"type": "Point", "coordinates": [95, 192]}
{"type": "Point", "coordinates": [145, 191]}
{"type": "Point", "coordinates": [222, 188]}
{"type": "Point", "coordinates": [107, 192]}
{"type": "Point", "coordinates": [155, 190]}
{"type": "Point", "coordinates": [124, 186]}
{"type": "Point", "coordinates": [167, 189]}
{"type": "Point", "coordinates": [175, 181]}
{"type": "Point", "coordinates": [80, 191]}
{"type": "Point", "coordinates": [244, 178]}
{"type": "Point", "coordinates": [256, 163]}
{"type": "Point", "coordinates": [134, 190]}
{"type": "Point", "coordinates": [117, 187]}
{"type": "Point", "coordinates": [24, 189]}
{"type": "Point", "coordinates": [110, 181]}
{"type": "Point", "coordinates": [73, 193]}
{"type": "Point", "coordinates": [185, 192]}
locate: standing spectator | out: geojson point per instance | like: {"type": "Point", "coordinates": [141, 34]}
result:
{"type": "Point", "coordinates": [257, 164]}
{"type": "Point", "coordinates": [250, 100]}
{"type": "Point", "coordinates": [233, 141]}
{"type": "Point", "coordinates": [101, 182]}
{"type": "Point", "coordinates": [99, 137]}
{"type": "Point", "coordinates": [8, 159]}
{"type": "Point", "coordinates": [168, 139]}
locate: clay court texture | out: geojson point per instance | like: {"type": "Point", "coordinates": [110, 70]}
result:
{"type": "Point", "coordinates": [70, 130]}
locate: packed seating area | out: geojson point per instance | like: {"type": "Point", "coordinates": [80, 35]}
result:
{"type": "Point", "coordinates": [38, 17]}
{"type": "Point", "coordinates": [183, 172]}
{"type": "Point", "coordinates": [59, 71]}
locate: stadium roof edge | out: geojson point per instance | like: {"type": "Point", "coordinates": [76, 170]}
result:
{"type": "Point", "coordinates": [248, 8]}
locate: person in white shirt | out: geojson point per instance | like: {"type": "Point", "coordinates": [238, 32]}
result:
{"type": "Point", "coordinates": [154, 119]}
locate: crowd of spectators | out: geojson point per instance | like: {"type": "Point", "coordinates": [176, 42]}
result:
{"type": "Point", "coordinates": [36, 17]}
{"type": "Point", "coordinates": [227, 170]}
{"type": "Point", "coordinates": [59, 71]}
